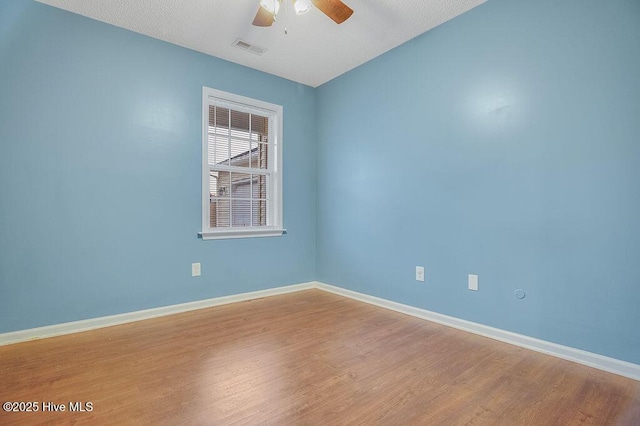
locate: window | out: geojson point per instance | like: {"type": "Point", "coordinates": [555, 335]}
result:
{"type": "Point", "coordinates": [241, 166]}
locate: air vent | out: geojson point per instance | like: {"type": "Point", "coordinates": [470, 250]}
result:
{"type": "Point", "coordinates": [241, 44]}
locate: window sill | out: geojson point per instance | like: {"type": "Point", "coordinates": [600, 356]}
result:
{"type": "Point", "coordinates": [241, 233]}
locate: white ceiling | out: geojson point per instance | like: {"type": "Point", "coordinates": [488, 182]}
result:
{"type": "Point", "coordinates": [314, 51]}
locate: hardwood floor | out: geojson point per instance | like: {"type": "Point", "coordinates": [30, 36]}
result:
{"type": "Point", "coordinates": [304, 358]}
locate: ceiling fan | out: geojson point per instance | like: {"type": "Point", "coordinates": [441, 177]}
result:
{"type": "Point", "coordinates": [334, 9]}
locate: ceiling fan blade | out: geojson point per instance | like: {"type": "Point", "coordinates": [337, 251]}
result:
{"type": "Point", "coordinates": [263, 18]}
{"type": "Point", "coordinates": [334, 9]}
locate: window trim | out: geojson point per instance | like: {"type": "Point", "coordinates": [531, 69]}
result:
{"type": "Point", "coordinates": [275, 111]}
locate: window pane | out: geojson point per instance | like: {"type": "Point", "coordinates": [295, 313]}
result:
{"type": "Point", "coordinates": [259, 129]}
{"type": "Point", "coordinates": [213, 217]}
{"type": "Point", "coordinates": [259, 125]}
{"type": "Point", "coordinates": [213, 183]}
{"type": "Point", "coordinates": [261, 186]}
{"type": "Point", "coordinates": [218, 117]}
{"type": "Point", "coordinates": [221, 147]}
{"type": "Point", "coordinates": [262, 156]}
{"type": "Point", "coordinates": [239, 152]}
{"type": "Point", "coordinates": [219, 212]}
{"type": "Point", "coordinates": [254, 154]}
{"type": "Point", "coordinates": [259, 213]}
{"type": "Point", "coordinates": [240, 121]}
{"type": "Point", "coordinates": [241, 212]}
{"type": "Point", "coordinates": [218, 135]}
{"type": "Point", "coordinates": [240, 185]}
{"type": "Point", "coordinates": [239, 142]}
{"type": "Point", "coordinates": [224, 184]}
{"type": "Point", "coordinates": [211, 147]}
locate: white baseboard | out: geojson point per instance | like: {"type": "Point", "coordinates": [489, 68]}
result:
{"type": "Point", "coordinates": [579, 356]}
{"type": "Point", "coordinates": [108, 321]}
{"type": "Point", "coordinates": [589, 359]}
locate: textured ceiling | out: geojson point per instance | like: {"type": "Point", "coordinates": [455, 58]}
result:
{"type": "Point", "coordinates": [314, 51]}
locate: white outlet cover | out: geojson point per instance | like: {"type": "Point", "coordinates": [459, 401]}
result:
{"type": "Point", "coordinates": [419, 273]}
{"type": "Point", "coordinates": [473, 282]}
{"type": "Point", "coordinates": [195, 269]}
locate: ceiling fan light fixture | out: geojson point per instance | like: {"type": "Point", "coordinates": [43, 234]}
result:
{"type": "Point", "coordinates": [336, 10]}
{"type": "Point", "coordinates": [272, 6]}
{"type": "Point", "coordinates": [302, 6]}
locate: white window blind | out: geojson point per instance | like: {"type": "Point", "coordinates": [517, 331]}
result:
{"type": "Point", "coordinates": [241, 166]}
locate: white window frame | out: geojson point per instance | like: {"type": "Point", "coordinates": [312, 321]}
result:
{"type": "Point", "coordinates": [274, 226]}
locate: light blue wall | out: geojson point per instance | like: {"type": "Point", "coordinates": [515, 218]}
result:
{"type": "Point", "coordinates": [504, 143]}
{"type": "Point", "coordinates": [100, 139]}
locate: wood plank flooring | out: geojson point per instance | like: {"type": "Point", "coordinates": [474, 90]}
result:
{"type": "Point", "coordinates": [306, 358]}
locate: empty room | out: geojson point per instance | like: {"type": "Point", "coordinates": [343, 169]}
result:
{"type": "Point", "coordinates": [305, 212]}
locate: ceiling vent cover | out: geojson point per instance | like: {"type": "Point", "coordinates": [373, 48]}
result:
{"type": "Point", "coordinates": [244, 45]}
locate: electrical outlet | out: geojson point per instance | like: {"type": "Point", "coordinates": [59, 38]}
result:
{"type": "Point", "coordinates": [473, 282]}
{"type": "Point", "coordinates": [419, 273]}
{"type": "Point", "coordinates": [195, 269]}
